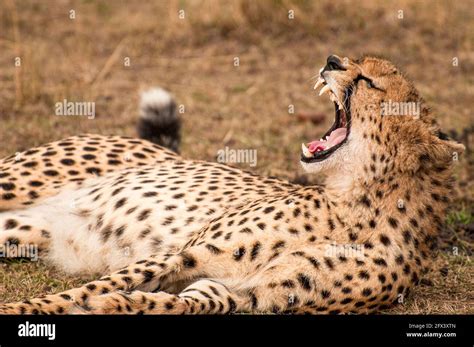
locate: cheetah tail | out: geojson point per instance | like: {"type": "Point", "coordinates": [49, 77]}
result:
{"type": "Point", "coordinates": [159, 122]}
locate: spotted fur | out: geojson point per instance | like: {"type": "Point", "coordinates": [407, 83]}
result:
{"type": "Point", "coordinates": [183, 236]}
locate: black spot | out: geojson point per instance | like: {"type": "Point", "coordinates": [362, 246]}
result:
{"type": "Point", "coordinates": [213, 249]}
{"type": "Point", "coordinates": [380, 262]}
{"type": "Point", "coordinates": [268, 209]}
{"type": "Point", "coordinates": [7, 186]}
{"type": "Point", "coordinates": [288, 284]}
{"type": "Point", "coordinates": [329, 263]}
{"type": "Point", "coordinates": [399, 259]}
{"type": "Point", "coordinates": [13, 241]}
{"type": "Point", "coordinates": [368, 245]}
{"type": "Point", "coordinates": [144, 215]}
{"type": "Point", "coordinates": [292, 231]}
{"type": "Point", "coordinates": [120, 230]}
{"type": "Point", "coordinates": [232, 304]}
{"type": "Point", "coordinates": [91, 287]}
{"type": "Point", "coordinates": [372, 224]}
{"type": "Point", "coordinates": [93, 170]}
{"type": "Point", "coordinates": [331, 224]}
{"type": "Point", "coordinates": [346, 301]}
{"type": "Point", "coordinates": [239, 253]}
{"type": "Point", "coordinates": [188, 261]}
{"type": "Point", "coordinates": [148, 275]}
{"type": "Point", "coordinates": [114, 162]}
{"type": "Point", "coordinates": [33, 195]}
{"type": "Point", "coordinates": [30, 164]}
{"type": "Point", "coordinates": [36, 183]}
{"type": "Point", "coordinates": [365, 200]}
{"type": "Point", "coordinates": [382, 278]}
{"type": "Point", "coordinates": [325, 294]}
{"type": "Point", "coordinates": [279, 215]}
{"type": "Point", "coordinates": [215, 226]}
{"type": "Point", "coordinates": [414, 223]}
{"type": "Point", "coordinates": [246, 231]}
{"type": "Point", "coordinates": [364, 275]}
{"type": "Point", "coordinates": [253, 300]}
{"type": "Point", "coordinates": [393, 222]}
{"type": "Point", "coordinates": [255, 250]}
{"type": "Point", "coordinates": [278, 244]}
{"type": "Point", "coordinates": [10, 224]}
{"type": "Point", "coordinates": [407, 236]}
{"type": "Point", "coordinates": [385, 240]}
{"type": "Point", "coordinates": [67, 162]}
{"type": "Point", "coordinates": [304, 281]}
{"type": "Point", "coordinates": [51, 173]}
{"type": "Point", "coordinates": [120, 203]}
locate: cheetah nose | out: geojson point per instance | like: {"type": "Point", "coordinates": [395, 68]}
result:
{"type": "Point", "coordinates": [334, 63]}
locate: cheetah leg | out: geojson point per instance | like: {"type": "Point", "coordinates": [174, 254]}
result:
{"type": "Point", "coordinates": [201, 297]}
{"type": "Point", "coordinates": [149, 274]}
{"type": "Point", "coordinates": [20, 233]}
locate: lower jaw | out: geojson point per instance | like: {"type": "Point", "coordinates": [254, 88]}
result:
{"type": "Point", "coordinates": [325, 154]}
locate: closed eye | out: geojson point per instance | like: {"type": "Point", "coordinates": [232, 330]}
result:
{"type": "Point", "coordinates": [369, 82]}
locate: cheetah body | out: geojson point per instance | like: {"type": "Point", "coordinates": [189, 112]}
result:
{"type": "Point", "coordinates": [183, 236]}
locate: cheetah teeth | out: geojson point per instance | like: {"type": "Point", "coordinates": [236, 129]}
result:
{"type": "Point", "coordinates": [333, 98]}
{"type": "Point", "coordinates": [325, 89]}
{"type": "Point", "coordinates": [318, 83]}
{"type": "Point", "coordinates": [306, 151]}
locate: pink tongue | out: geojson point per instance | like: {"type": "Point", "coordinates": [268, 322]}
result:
{"type": "Point", "coordinates": [336, 137]}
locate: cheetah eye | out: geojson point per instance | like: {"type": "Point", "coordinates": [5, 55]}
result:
{"type": "Point", "coordinates": [371, 84]}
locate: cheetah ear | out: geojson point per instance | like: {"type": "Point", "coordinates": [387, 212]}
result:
{"type": "Point", "coordinates": [443, 151]}
{"type": "Point", "coordinates": [428, 149]}
{"type": "Point", "coordinates": [454, 145]}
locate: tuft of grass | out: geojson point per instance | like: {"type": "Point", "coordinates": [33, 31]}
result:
{"type": "Point", "coordinates": [460, 217]}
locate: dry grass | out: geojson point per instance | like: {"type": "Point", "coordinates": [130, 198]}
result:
{"type": "Point", "coordinates": [82, 59]}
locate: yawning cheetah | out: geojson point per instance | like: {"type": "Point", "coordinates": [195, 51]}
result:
{"type": "Point", "coordinates": [184, 236]}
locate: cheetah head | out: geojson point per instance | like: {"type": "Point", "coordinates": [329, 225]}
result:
{"type": "Point", "coordinates": [378, 113]}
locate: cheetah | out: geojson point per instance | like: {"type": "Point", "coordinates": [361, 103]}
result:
{"type": "Point", "coordinates": [175, 236]}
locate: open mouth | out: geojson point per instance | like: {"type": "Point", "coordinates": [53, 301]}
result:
{"type": "Point", "coordinates": [336, 136]}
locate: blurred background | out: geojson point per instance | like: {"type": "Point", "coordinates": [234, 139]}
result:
{"type": "Point", "coordinates": [108, 51]}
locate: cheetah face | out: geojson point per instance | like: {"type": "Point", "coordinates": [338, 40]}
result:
{"type": "Point", "coordinates": [337, 80]}
{"type": "Point", "coordinates": [363, 92]}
